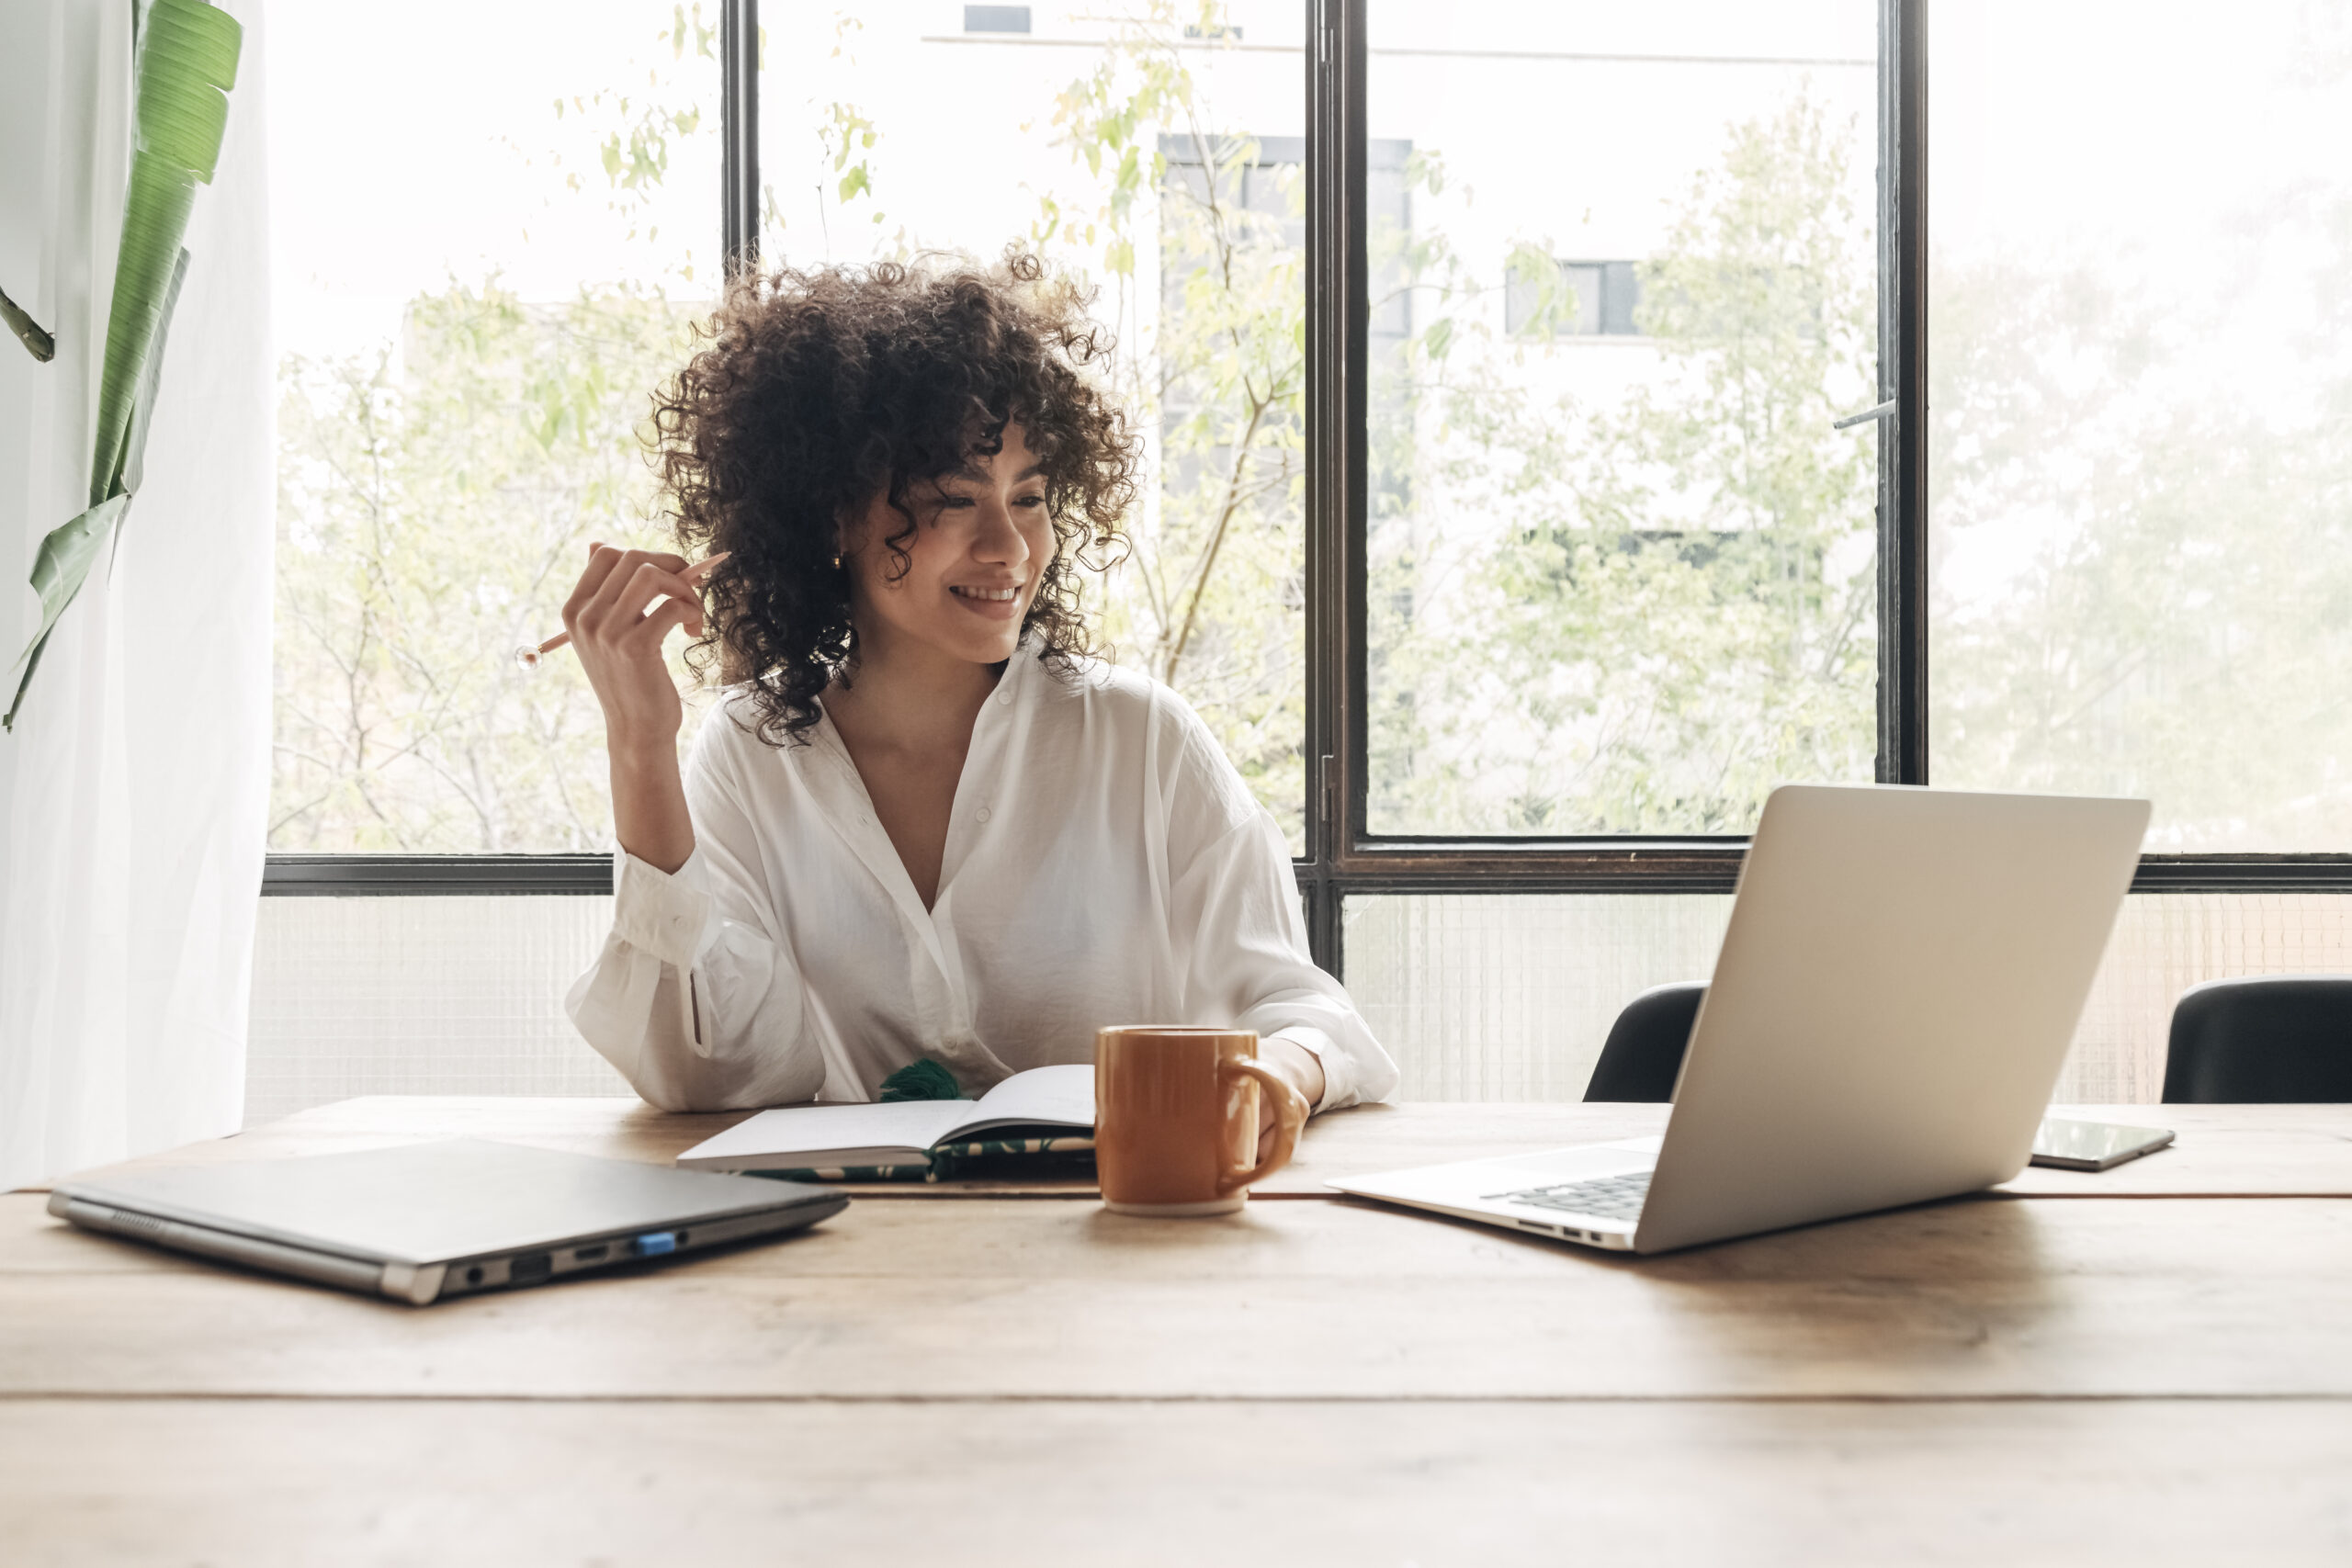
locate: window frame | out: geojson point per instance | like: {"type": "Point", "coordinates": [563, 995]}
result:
{"type": "Point", "coordinates": [1343, 857]}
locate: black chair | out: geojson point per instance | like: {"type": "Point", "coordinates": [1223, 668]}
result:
{"type": "Point", "coordinates": [2270, 1038]}
{"type": "Point", "coordinates": [1643, 1052]}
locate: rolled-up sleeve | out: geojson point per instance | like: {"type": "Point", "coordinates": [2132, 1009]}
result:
{"type": "Point", "coordinates": [694, 998]}
{"type": "Point", "coordinates": [1249, 964]}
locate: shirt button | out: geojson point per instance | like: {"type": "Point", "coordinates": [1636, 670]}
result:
{"type": "Point", "coordinates": [981, 815]}
{"type": "Point", "coordinates": [1005, 697]}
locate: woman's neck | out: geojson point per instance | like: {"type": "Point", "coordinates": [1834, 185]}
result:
{"type": "Point", "coordinates": [909, 698]}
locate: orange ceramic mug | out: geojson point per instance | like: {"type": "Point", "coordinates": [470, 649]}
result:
{"type": "Point", "coordinates": [1176, 1119]}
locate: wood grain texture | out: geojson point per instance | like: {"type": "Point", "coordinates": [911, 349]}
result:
{"type": "Point", "coordinates": [2005, 1379]}
{"type": "Point", "coordinates": [2223, 1150]}
{"type": "Point", "coordinates": [268, 1483]}
{"type": "Point", "coordinates": [1007, 1299]}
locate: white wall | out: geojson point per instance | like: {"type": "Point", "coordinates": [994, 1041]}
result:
{"type": "Point", "coordinates": [1500, 997]}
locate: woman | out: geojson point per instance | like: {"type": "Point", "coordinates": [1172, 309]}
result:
{"type": "Point", "coordinates": [924, 824]}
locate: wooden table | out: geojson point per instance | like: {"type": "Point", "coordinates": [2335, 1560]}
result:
{"type": "Point", "coordinates": [2154, 1365]}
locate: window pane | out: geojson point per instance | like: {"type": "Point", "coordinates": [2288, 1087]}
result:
{"type": "Point", "coordinates": [2142, 537]}
{"type": "Point", "coordinates": [1621, 571]}
{"type": "Point", "coordinates": [484, 259]}
{"type": "Point", "coordinates": [1157, 153]}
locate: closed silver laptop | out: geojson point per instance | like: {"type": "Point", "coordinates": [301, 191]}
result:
{"type": "Point", "coordinates": [1895, 996]}
{"type": "Point", "coordinates": [425, 1222]}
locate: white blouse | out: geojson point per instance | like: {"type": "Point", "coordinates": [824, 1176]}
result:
{"type": "Point", "coordinates": [1105, 864]}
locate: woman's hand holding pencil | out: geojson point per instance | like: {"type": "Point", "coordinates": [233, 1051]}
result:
{"type": "Point", "coordinates": [625, 606]}
{"type": "Point", "coordinates": [528, 655]}
{"type": "Point", "coordinates": [621, 611]}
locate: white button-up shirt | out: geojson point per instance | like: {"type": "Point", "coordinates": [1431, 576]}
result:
{"type": "Point", "coordinates": [1105, 864]}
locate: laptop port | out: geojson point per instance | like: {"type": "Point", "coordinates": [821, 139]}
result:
{"type": "Point", "coordinates": [589, 1254]}
{"type": "Point", "coordinates": [529, 1267]}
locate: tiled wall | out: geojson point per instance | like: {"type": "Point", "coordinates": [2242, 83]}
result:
{"type": "Point", "coordinates": [1497, 996]}
{"type": "Point", "coordinates": [419, 996]}
{"type": "Point", "coordinates": [1480, 998]}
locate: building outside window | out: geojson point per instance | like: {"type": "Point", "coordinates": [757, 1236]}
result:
{"type": "Point", "coordinates": [1571, 298]}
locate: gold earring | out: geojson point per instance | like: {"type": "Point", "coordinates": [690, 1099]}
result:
{"type": "Point", "coordinates": [837, 563]}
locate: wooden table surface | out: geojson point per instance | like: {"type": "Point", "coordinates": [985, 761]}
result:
{"type": "Point", "coordinates": [2221, 1150]}
{"type": "Point", "coordinates": [2157, 1368]}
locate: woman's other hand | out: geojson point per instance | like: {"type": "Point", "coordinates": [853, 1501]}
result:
{"type": "Point", "coordinates": [1295, 1065]}
{"type": "Point", "coordinates": [623, 608]}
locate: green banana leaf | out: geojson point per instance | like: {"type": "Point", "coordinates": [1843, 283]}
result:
{"type": "Point", "coordinates": [58, 571]}
{"type": "Point", "coordinates": [142, 404]}
{"type": "Point", "coordinates": [187, 63]}
{"type": "Point", "coordinates": [68, 553]}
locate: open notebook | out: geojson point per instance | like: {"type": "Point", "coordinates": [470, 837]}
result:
{"type": "Point", "coordinates": [1028, 1109]}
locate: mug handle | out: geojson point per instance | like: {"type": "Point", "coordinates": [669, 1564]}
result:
{"type": "Point", "coordinates": [1291, 1115]}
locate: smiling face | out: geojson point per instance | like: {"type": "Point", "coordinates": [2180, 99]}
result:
{"type": "Point", "coordinates": [982, 540]}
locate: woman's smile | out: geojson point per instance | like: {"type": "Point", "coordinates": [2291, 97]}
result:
{"type": "Point", "coordinates": [989, 603]}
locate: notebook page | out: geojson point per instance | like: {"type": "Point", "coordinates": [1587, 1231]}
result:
{"type": "Point", "coordinates": [805, 1132]}
{"type": "Point", "coordinates": [1052, 1096]}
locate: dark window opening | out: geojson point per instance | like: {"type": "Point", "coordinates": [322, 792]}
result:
{"type": "Point", "coordinates": [1589, 299]}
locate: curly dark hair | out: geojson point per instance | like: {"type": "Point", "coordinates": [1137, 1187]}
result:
{"type": "Point", "coordinates": [821, 389]}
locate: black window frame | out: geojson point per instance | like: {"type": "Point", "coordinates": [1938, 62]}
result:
{"type": "Point", "coordinates": [1343, 857]}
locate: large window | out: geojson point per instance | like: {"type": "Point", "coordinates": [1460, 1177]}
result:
{"type": "Point", "coordinates": [480, 276]}
{"type": "Point", "coordinates": [1565, 421]}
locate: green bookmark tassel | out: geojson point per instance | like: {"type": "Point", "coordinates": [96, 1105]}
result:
{"type": "Point", "coordinates": [921, 1079]}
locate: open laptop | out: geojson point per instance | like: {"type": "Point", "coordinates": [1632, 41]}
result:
{"type": "Point", "coordinates": [427, 1221]}
{"type": "Point", "coordinates": [1895, 993]}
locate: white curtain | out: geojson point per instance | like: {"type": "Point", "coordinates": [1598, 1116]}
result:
{"type": "Point", "coordinates": [134, 792]}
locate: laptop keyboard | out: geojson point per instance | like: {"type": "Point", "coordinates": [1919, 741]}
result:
{"type": "Point", "coordinates": [1611, 1197]}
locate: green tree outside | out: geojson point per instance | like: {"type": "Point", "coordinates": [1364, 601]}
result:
{"type": "Point", "coordinates": [1638, 620]}
{"type": "Point", "coordinates": [430, 523]}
